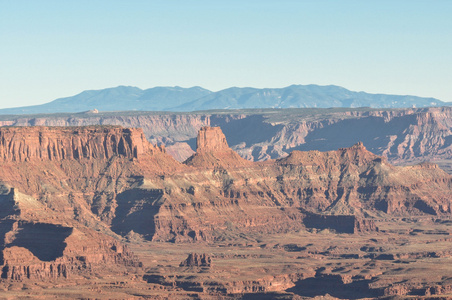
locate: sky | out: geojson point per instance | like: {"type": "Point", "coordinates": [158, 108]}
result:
{"type": "Point", "coordinates": [51, 48]}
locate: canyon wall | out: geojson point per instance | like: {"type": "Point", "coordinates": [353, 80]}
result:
{"type": "Point", "coordinates": [401, 135]}
{"type": "Point", "coordinates": [216, 192]}
{"type": "Point", "coordinates": [71, 196]}
{"type": "Point", "coordinates": [221, 195]}
{"type": "Point", "coordinates": [65, 217]}
{"type": "Point", "coordinates": [214, 195]}
{"type": "Point", "coordinates": [39, 243]}
{"type": "Point", "coordinates": [51, 143]}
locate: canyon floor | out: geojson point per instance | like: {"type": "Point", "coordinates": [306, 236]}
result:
{"type": "Point", "coordinates": [410, 257]}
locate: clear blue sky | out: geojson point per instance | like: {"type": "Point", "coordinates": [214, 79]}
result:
{"type": "Point", "coordinates": [51, 49]}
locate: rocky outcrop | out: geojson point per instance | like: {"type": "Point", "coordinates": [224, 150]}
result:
{"type": "Point", "coordinates": [213, 151]}
{"type": "Point", "coordinates": [20, 264]}
{"type": "Point", "coordinates": [197, 260]}
{"type": "Point", "coordinates": [44, 251]}
{"type": "Point", "coordinates": [211, 139]}
{"type": "Point", "coordinates": [339, 223]}
{"type": "Point", "coordinates": [342, 190]}
{"type": "Point", "coordinates": [420, 290]}
{"type": "Point", "coordinates": [41, 240]}
{"type": "Point", "coordinates": [261, 288]}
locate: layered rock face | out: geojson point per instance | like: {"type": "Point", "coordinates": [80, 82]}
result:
{"type": "Point", "coordinates": [45, 218]}
{"type": "Point", "coordinates": [46, 143]}
{"type": "Point", "coordinates": [211, 139]}
{"type": "Point", "coordinates": [63, 184]}
{"type": "Point", "coordinates": [43, 251]}
{"type": "Point", "coordinates": [216, 192]}
{"type": "Point", "coordinates": [223, 195]}
{"type": "Point", "coordinates": [401, 135]}
{"type": "Point", "coordinates": [38, 243]}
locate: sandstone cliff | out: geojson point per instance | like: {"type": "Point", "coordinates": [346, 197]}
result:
{"type": "Point", "coordinates": [36, 243]}
{"type": "Point", "coordinates": [132, 187]}
{"type": "Point", "coordinates": [224, 195]}
{"type": "Point", "coordinates": [401, 135]}
{"type": "Point", "coordinates": [46, 143]}
{"type": "Point", "coordinates": [55, 186]}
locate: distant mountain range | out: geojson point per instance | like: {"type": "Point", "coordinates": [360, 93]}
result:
{"type": "Point", "coordinates": [127, 98]}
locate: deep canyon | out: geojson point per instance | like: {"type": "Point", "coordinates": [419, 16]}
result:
{"type": "Point", "coordinates": [282, 204]}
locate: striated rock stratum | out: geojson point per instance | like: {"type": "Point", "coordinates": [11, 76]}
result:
{"type": "Point", "coordinates": [70, 197]}
{"type": "Point", "coordinates": [112, 178]}
{"type": "Point", "coordinates": [404, 136]}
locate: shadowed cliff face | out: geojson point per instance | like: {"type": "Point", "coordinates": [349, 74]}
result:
{"type": "Point", "coordinates": [40, 243]}
{"type": "Point", "coordinates": [45, 241]}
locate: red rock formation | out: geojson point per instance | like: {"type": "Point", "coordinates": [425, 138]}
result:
{"type": "Point", "coordinates": [42, 239]}
{"type": "Point", "coordinates": [82, 252]}
{"type": "Point", "coordinates": [401, 135]}
{"type": "Point", "coordinates": [213, 150]}
{"type": "Point", "coordinates": [219, 194]}
{"type": "Point", "coordinates": [349, 181]}
{"type": "Point", "coordinates": [37, 243]}
{"type": "Point", "coordinates": [197, 260]}
{"type": "Point", "coordinates": [46, 143]}
{"type": "Point", "coordinates": [62, 216]}
{"type": "Point", "coordinates": [211, 139]}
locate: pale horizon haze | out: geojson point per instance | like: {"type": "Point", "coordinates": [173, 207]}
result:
{"type": "Point", "coordinates": [53, 49]}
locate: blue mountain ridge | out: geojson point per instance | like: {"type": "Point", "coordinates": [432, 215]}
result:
{"type": "Point", "coordinates": [128, 98]}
